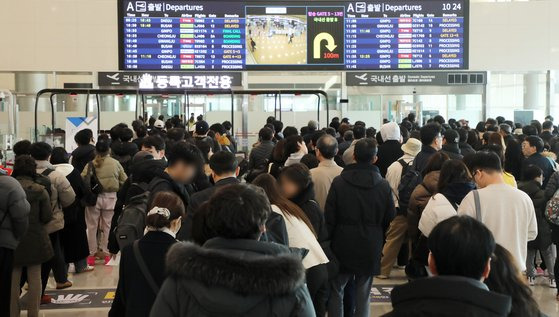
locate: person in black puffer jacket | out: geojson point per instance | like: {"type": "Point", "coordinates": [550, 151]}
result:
{"type": "Point", "coordinates": [297, 186]}
{"type": "Point", "coordinates": [143, 169]}
{"type": "Point", "coordinates": [233, 274]}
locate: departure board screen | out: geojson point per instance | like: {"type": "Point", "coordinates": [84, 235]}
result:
{"type": "Point", "coordinates": [293, 35]}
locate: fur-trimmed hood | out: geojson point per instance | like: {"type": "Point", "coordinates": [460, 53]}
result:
{"type": "Point", "coordinates": [245, 267]}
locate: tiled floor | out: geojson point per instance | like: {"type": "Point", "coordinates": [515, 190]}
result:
{"type": "Point", "coordinates": [107, 277]}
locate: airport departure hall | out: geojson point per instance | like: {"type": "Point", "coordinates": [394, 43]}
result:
{"type": "Point", "coordinates": [217, 158]}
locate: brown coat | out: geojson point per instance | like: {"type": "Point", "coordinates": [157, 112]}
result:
{"type": "Point", "coordinates": [418, 200]}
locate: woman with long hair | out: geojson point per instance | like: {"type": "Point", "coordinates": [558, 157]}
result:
{"type": "Point", "coordinates": [419, 198]}
{"type": "Point", "coordinates": [301, 235]}
{"type": "Point", "coordinates": [455, 182]}
{"type": "Point", "coordinates": [111, 177]}
{"type": "Point", "coordinates": [296, 185]}
{"type": "Point", "coordinates": [505, 278]}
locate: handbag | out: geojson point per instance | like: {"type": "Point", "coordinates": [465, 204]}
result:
{"type": "Point", "coordinates": [93, 186]}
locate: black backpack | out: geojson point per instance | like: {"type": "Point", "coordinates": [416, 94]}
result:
{"type": "Point", "coordinates": [92, 186]}
{"type": "Point", "coordinates": [411, 177]}
{"type": "Point", "coordinates": [132, 221]}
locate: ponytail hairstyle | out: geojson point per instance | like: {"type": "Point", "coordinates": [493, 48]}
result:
{"type": "Point", "coordinates": [165, 207]}
{"type": "Point", "coordinates": [102, 149]}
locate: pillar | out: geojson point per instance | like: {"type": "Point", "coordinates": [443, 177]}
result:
{"type": "Point", "coordinates": [30, 84]}
{"type": "Point", "coordinates": [531, 92]}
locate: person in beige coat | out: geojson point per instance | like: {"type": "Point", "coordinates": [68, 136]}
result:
{"type": "Point", "coordinates": [111, 176]}
{"type": "Point", "coordinates": [61, 196]}
{"type": "Point", "coordinates": [327, 170]}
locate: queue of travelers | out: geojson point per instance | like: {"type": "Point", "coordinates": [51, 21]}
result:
{"type": "Point", "coordinates": [300, 226]}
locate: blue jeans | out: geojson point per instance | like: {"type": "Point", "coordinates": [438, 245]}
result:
{"type": "Point", "coordinates": [363, 286]}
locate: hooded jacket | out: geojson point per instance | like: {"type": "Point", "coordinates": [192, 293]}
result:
{"type": "Point", "coordinates": [35, 247]}
{"type": "Point", "coordinates": [537, 194]}
{"type": "Point", "coordinates": [62, 195]}
{"type": "Point", "coordinates": [14, 209]}
{"type": "Point", "coordinates": [359, 209]}
{"type": "Point", "coordinates": [452, 296]}
{"type": "Point", "coordinates": [82, 155]}
{"type": "Point", "coordinates": [233, 278]}
{"type": "Point", "coordinates": [388, 152]}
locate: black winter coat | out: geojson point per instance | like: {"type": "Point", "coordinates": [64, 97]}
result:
{"type": "Point", "coordinates": [466, 149]}
{"type": "Point", "coordinates": [359, 209]}
{"type": "Point", "coordinates": [233, 278]}
{"type": "Point", "coordinates": [388, 153]}
{"type": "Point", "coordinates": [542, 162]}
{"type": "Point", "coordinates": [164, 183]}
{"type": "Point", "coordinates": [73, 236]}
{"type": "Point", "coordinates": [34, 246]}
{"type": "Point", "coordinates": [134, 297]}
{"type": "Point", "coordinates": [82, 155]}
{"type": "Point", "coordinates": [275, 225]}
{"type": "Point", "coordinates": [143, 173]}
{"type": "Point", "coordinates": [537, 194]}
{"type": "Point", "coordinates": [422, 158]}
{"type": "Point", "coordinates": [451, 296]}
{"type": "Point", "coordinates": [453, 151]}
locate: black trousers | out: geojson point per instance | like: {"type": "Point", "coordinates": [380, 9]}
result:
{"type": "Point", "coordinates": [56, 264]}
{"type": "Point", "coordinates": [6, 266]}
{"type": "Point", "coordinates": [317, 283]}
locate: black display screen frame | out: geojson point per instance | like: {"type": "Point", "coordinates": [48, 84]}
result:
{"type": "Point", "coordinates": [293, 67]}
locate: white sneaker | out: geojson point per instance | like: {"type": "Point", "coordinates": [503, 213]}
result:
{"type": "Point", "coordinates": [552, 283]}
{"type": "Point", "coordinates": [71, 268]}
{"type": "Point", "coordinates": [531, 281]}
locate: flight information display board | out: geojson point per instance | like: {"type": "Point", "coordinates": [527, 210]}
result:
{"type": "Point", "coordinates": [293, 35]}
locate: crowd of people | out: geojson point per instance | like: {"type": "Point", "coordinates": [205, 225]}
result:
{"type": "Point", "coordinates": [298, 227]}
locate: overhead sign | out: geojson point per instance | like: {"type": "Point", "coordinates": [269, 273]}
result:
{"type": "Point", "coordinates": [226, 35]}
{"type": "Point", "coordinates": [415, 78]}
{"type": "Point", "coordinates": [162, 80]}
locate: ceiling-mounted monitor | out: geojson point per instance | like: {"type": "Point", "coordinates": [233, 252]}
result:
{"type": "Point", "coordinates": [293, 35]}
